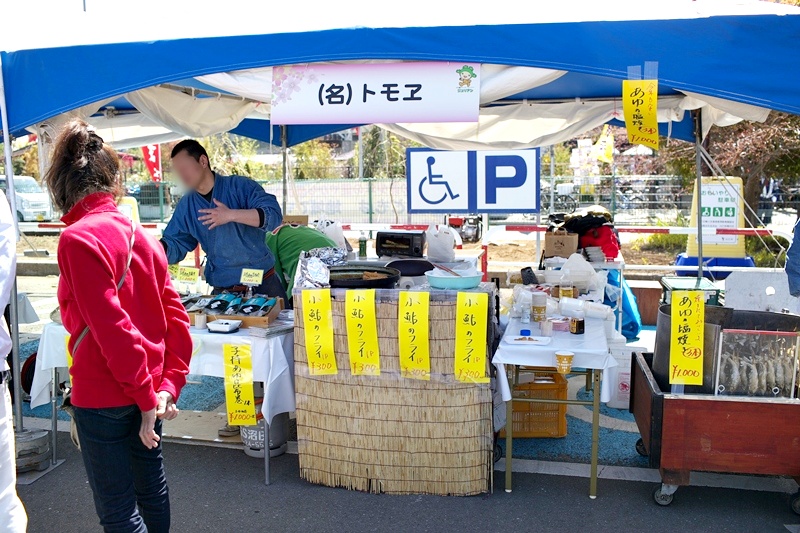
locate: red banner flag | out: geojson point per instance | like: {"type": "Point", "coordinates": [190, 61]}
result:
{"type": "Point", "coordinates": [152, 160]}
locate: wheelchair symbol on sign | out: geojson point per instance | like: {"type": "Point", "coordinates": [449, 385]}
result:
{"type": "Point", "coordinates": [435, 180]}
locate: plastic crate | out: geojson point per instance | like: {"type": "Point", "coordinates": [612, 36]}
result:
{"type": "Point", "coordinates": [541, 420]}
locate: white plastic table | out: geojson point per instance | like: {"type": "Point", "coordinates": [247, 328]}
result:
{"type": "Point", "coordinates": [273, 364]}
{"type": "Point", "coordinates": [591, 353]}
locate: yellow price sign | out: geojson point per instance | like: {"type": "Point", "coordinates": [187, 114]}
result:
{"type": "Point", "coordinates": [640, 107]}
{"type": "Point", "coordinates": [318, 325]}
{"type": "Point", "coordinates": [362, 333]}
{"type": "Point", "coordinates": [472, 309]}
{"type": "Point", "coordinates": [69, 354]}
{"type": "Point", "coordinates": [412, 331]}
{"type": "Point", "coordinates": [174, 270]}
{"type": "Point", "coordinates": [686, 340]}
{"type": "Point", "coordinates": [188, 274]}
{"type": "Point", "coordinates": [239, 399]}
{"type": "Point", "coordinates": [252, 276]}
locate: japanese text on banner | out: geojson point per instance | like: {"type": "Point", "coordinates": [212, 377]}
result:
{"type": "Point", "coordinates": [472, 309]}
{"type": "Point", "coordinates": [371, 93]}
{"type": "Point", "coordinates": [239, 398]}
{"type": "Point", "coordinates": [412, 331]}
{"type": "Point", "coordinates": [362, 333]}
{"type": "Point", "coordinates": [640, 107]}
{"type": "Point", "coordinates": [686, 342]}
{"type": "Point", "coordinates": [318, 325]}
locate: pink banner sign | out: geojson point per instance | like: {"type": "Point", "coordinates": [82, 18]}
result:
{"type": "Point", "coordinates": [376, 93]}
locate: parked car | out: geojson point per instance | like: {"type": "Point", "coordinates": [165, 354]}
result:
{"type": "Point", "coordinates": [33, 203]}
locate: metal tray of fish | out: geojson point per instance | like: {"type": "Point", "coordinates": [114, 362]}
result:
{"type": "Point", "coordinates": [757, 363]}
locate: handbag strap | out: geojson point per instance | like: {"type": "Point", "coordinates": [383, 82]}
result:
{"type": "Point", "coordinates": [119, 285]}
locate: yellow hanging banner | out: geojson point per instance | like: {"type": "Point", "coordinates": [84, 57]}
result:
{"type": "Point", "coordinates": [69, 354]}
{"type": "Point", "coordinates": [318, 325]}
{"type": "Point", "coordinates": [174, 270]}
{"type": "Point", "coordinates": [603, 149]}
{"type": "Point", "coordinates": [412, 331]}
{"type": "Point", "coordinates": [362, 333]}
{"type": "Point", "coordinates": [640, 107]}
{"type": "Point", "coordinates": [472, 308]}
{"type": "Point", "coordinates": [686, 341]}
{"type": "Point", "coordinates": [239, 399]}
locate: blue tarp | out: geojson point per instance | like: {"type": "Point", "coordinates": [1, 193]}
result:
{"type": "Point", "coordinates": [741, 58]}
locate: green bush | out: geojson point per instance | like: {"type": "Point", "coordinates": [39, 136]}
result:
{"type": "Point", "coordinates": [665, 242]}
{"type": "Point", "coordinates": [773, 255]}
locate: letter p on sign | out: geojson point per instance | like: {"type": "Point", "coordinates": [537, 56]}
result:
{"type": "Point", "coordinates": [510, 181]}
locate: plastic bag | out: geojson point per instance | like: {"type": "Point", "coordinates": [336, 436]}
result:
{"type": "Point", "coordinates": [334, 231]}
{"type": "Point", "coordinates": [441, 243]}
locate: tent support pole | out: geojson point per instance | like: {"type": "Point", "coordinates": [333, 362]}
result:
{"type": "Point", "coordinates": [15, 367]}
{"type": "Point", "coordinates": [552, 180]}
{"type": "Point", "coordinates": [285, 167]}
{"type": "Point", "coordinates": [698, 143]}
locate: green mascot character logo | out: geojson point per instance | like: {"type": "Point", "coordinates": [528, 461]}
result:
{"type": "Point", "coordinates": [465, 76]}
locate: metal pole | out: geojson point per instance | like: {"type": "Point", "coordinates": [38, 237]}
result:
{"type": "Point", "coordinates": [369, 193]}
{"type": "Point", "coordinates": [12, 199]}
{"type": "Point", "coordinates": [613, 188]}
{"type": "Point", "coordinates": [698, 142]}
{"type": "Point", "coordinates": [360, 153]}
{"type": "Point", "coordinates": [284, 150]}
{"type": "Point", "coordinates": [552, 179]}
{"type": "Point", "coordinates": [161, 200]}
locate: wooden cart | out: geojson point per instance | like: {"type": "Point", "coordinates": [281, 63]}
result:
{"type": "Point", "coordinates": [705, 433]}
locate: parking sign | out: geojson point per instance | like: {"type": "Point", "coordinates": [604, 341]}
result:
{"type": "Point", "coordinates": [472, 181]}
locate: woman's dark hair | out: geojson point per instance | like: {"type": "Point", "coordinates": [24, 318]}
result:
{"type": "Point", "coordinates": [81, 164]}
{"type": "Point", "coordinates": [191, 147]}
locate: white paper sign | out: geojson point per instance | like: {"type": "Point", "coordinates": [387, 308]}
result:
{"type": "Point", "coordinates": [376, 93]}
{"type": "Point", "coordinates": [720, 209]}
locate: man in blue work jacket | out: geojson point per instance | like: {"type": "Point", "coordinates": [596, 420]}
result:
{"type": "Point", "coordinates": [229, 217]}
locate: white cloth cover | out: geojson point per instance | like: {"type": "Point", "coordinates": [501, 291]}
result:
{"type": "Point", "coordinates": [590, 349]}
{"type": "Point", "coordinates": [131, 130]}
{"type": "Point", "coordinates": [273, 364]}
{"type": "Point", "coordinates": [189, 115]}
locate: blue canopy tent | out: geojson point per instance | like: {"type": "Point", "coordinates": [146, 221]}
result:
{"type": "Point", "coordinates": [738, 54]}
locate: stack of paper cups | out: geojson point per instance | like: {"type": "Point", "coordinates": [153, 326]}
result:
{"type": "Point", "coordinates": [571, 307]}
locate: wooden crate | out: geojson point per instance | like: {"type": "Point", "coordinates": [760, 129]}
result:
{"type": "Point", "coordinates": [540, 420]}
{"type": "Point", "coordinates": [388, 434]}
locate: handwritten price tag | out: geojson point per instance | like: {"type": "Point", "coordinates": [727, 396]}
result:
{"type": "Point", "coordinates": [318, 325]}
{"type": "Point", "coordinates": [472, 308]}
{"type": "Point", "coordinates": [174, 270]}
{"type": "Point", "coordinates": [239, 384]}
{"type": "Point", "coordinates": [686, 340]}
{"type": "Point", "coordinates": [362, 333]}
{"type": "Point", "coordinates": [188, 274]}
{"type": "Point", "coordinates": [412, 330]}
{"type": "Point", "coordinates": [251, 276]}
{"type": "Point", "coordinates": [69, 354]}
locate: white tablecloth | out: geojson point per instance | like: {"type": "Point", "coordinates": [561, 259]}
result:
{"type": "Point", "coordinates": [590, 349]}
{"type": "Point", "coordinates": [273, 364]}
{"type": "Point", "coordinates": [25, 311]}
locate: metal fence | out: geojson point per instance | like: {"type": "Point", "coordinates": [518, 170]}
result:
{"type": "Point", "coordinates": [633, 199]}
{"type": "Point", "coordinates": [350, 200]}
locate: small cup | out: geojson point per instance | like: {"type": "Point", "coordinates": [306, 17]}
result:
{"type": "Point", "coordinates": [564, 362]}
{"type": "Point", "coordinates": [547, 328]}
{"type": "Point", "coordinates": [200, 321]}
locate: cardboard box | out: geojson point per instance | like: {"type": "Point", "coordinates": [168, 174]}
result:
{"type": "Point", "coordinates": [247, 321]}
{"type": "Point", "coordinates": [560, 244]}
{"type": "Point", "coordinates": [300, 220]}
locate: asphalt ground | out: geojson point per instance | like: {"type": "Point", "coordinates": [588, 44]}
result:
{"type": "Point", "coordinates": [222, 490]}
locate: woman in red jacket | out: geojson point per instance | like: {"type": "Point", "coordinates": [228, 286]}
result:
{"type": "Point", "coordinates": [129, 335]}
